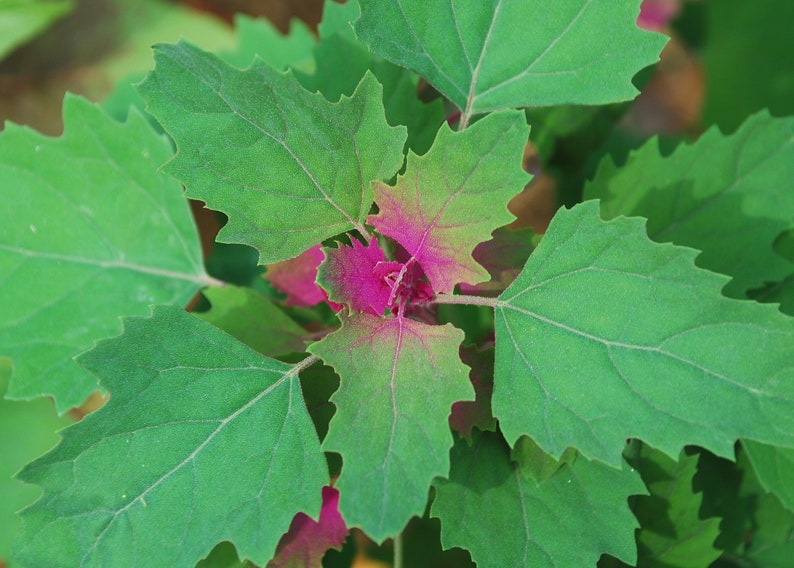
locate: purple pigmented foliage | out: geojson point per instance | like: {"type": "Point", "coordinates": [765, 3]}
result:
{"type": "Point", "coordinates": [655, 15]}
{"type": "Point", "coordinates": [297, 278]}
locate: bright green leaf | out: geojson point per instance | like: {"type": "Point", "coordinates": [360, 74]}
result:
{"type": "Point", "coordinates": [90, 232]}
{"type": "Point", "coordinates": [687, 197]}
{"type": "Point", "coordinates": [259, 38]}
{"type": "Point", "coordinates": [606, 335]}
{"type": "Point", "coordinates": [774, 468]}
{"type": "Point", "coordinates": [504, 519]}
{"type": "Point", "coordinates": [202, 440]}
{"type": "Point", "coordinates": [429, 210]}
{"type": "Point", "coordinates": [254, 320]}
{"type": "Point", "coordinates": [399, 379]}
{"type": "Point", "coordinates": [21, 20]}
{"type": "Point", "coordinates": [289, 168]}
{"type": "Point", "coordinates": [498, 54]}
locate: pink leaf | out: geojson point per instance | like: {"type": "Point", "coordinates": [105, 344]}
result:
{"type": "Point", "coordinates": [297, 277]}
{"type": "Point", "coordinates": [307, 540]}
{"type": "Point", "coordinates": [657, 14]}
{"type": "Point", "coordinates": [454, 196]}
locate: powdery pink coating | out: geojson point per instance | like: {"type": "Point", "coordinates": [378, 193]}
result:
{"type": "Point", "coordinates": [297, 278]}
{"type": "Point", "coordinates": [304, 545]}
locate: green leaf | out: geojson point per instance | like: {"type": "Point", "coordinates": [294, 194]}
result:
{"type": "Point", "coordinates": [399, 379]}
{"type": "Point", "coordinates": [21, 20]}
{"type": "Point", "coordinates": [606, 335]}
{"type": "Point", "coordinates": [289, 168]}
{"type": "Point", "coordinates": [202, 440]}
{"type": "Point", "coordinates": [254, 320]}
{"type": "Point", "coordinates": [535, 464]}
{"type": "Point", "coordinates": [342, 60]}
{"type": "Point", "coordinates": [687, 197]}
{"type": "Point", "coordinates": [503, 519]}
{"type": "Point", "coordinates": [257, 37]}
{"type": "Point", "coordinates": [774, 468]}
{"type": "Point", "coordinates": [498, 54]}
{"type": "Point", "coordinates": [91, 232]}
{"type": "Point", "coordinates": [429, 210]}
{"type": "Point", "coordinates": [672, 532]}
{"type": "Point", "coordinates": [747, 59]}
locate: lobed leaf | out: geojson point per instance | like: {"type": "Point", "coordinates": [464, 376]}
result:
{"type": "Point", "coordinates": [289, 168]}
{"type": "Point", "coordinates": [480, 57]}
{"type": "Point", "coordinates": [431, 209]}
{"type": "Point", "coordinates": [399, 379]}
{"type": "Point", "coordinates": [489, 508]}
{"type": "Point", "coordinates": [91, 232]}
{"type": "Point", "coordinates": [687, 197]}
{"type": "Point", "coordinates": [146, 479]}
{"type": "Point", "coordinates": [606, 336]}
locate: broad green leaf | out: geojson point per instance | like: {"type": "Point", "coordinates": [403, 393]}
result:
{"type": "Point", "coordinates": [687, 197]}
{"type": "Point", "coordinates": [254, 320]}
{"type": "Point", "coordinates": [747, 60]}
{"type": "Point", "coordinates": [342, 60]}
{"type": "Point", "coordinates": [21, 20]}
{"type": "Point", "coordinates": [488, 508]}
{"type": "Point", "coordinates": [430, 209]}
{"type": "Point", "coordinates": [774, 468]}
{"type": "Point", "coordinates": [289, 168]}
{"type": "Point", "coordinates": [498, 54]}
{"type": "Point", "coordinates": [673, 532]}
{"type": "Point", "coordinates": [606, 335]}
{"type": "Point", "coordinates": [90, 231]}
{"type": "Point", "coordinates": [256, 37]}
{"type": "Point", "coordinates": [203, 440]}
{"type": "Point", "coordinates": [399, 379]}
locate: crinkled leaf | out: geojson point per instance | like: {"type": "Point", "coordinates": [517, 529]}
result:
{"type": "Point", "coordinates": [354, 276]}
{"type": "Point", "coordinates": [430, 209]}
{"type": "Point", "coordinates": [606, 335]}
{"type": "Point", "coordinates": [673, 532]}
{"type": "Point", "coordinates": [498, 54]}
{"type": "Point", "coordinates": [342, 60]}
{"type": "Point", "coordinates": [21, 20]}
{"type": "Point", "coordinates": [257, 37]}
{"type": "Point", "coordinates": [307, 540]}
{"type": "Point", "coordinates": [289, 168]}
{"type": "Point", "coordinates": [467, 415]}
{"type": "Point", "coordinates": [399, 379]}
{"type": "Point", "coordinates": [774, 468]}
{"type": "Point", "coordinates": [202, 440]}
{"type": "Point", "coordinates": [687, 197]}
{"type": "Point", "coordinates": [254, 320]}
{"type": "Point", "coordinates": [503, 519]}
{"type": "Point", "coordinates": [297, 278]}
{"type": "Point", "coordinates": [90, 232]}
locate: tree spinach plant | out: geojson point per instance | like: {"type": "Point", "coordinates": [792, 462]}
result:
{"type": "Point", "coordinates": [564, 400]}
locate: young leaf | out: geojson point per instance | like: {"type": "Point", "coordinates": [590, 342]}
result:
{"type": "Point", "coordinates": [431, 210]}
{"type": "Point", "coordinates": [91, 232]}
{"type": "Point", "coordinates": [569, 51]}
{"type": "Point", "coordinates": [606, 335]}
{"type": "Point", "coordinates": [503, 519]}
{"type": "Point", "coordinates": [774, 468]}
{"type": "Point", "coordinates": [251, 318]}
{"type": "Point", "coordinates": [687, 197]}
{"type": "Point", "coordinates": [308, 540]}
{"type": "Point", "coordinates": [399, 379]}
{"type": "Point", "coordinates": [289, 168]}
{"type": "Point", "coordinates": [297, 278]}
{"type": "Point", "coordinates": [146, 479]}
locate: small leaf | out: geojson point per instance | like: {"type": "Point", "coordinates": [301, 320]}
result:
{"type": "Point", "coordinates": [297, 278]}
{"type": "Point", "coordinates": [202, 440]}
{"type": "Point", "coordinates": [429, 211]}
{"type": "Point", "coordinates": [498, 54]}
{"type": "Point", "coordinates": [254, 320]}
{"type": "Point", "coordinates": [503, 519]}
{"type": "Point", "coordinates": [774, 468]}
{"type": "Point", "coordinates": [289, 168]}
{"type": "Point", "coordinates": [535, 464]}
{"type": "Point", "coordinates": [399, 379]}
{"type": "Point", "coordinates": [688, 196]}
{"type": "Point", "coordinates": [307, 540]}
{"type": "Point", "coordinates": [91, 231]}
{"type": "Point", "coordinates": [606, 336]}
{"type": "Point", "coordinates": [257, 37]}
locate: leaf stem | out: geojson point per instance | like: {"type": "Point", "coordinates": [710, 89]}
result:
{"type": "Point", "coordinates": [305, 364]}
{"type": "Point", "coordinates": [208, 280]}
{"type": "Point", "coordinates": [464, 299]}
{"type": "Point", "coordinates": [398, 551]}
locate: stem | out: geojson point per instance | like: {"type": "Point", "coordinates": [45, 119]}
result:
{"type": "Point", "coordinates": [305, 364]}
{"type": "Point", "coordinates": [463, 299]}
{"type": "Point", "coordinates": [464, 119]}
{"type": "Point", "coordinates": [208, 280]}
{"type": "Point", "coordinates": [398, 551]}
{"type": "Point", "coordinates": [364, 233]}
